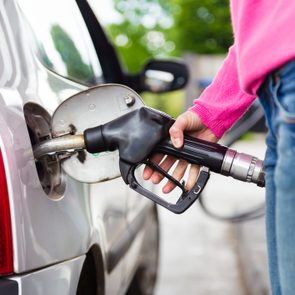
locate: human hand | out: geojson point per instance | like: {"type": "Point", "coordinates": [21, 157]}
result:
{"type": "Point", "coordinates": [191, 124]}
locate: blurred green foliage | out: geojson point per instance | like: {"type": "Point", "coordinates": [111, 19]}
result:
{"type": "Point", "coordinates": [171, 102]}
{"type": "Point", "coordinates": [201, 26]}
{"type": "Point", "coordinates": [169, 28]}
{"type": "Point", "coordinates": [164, 28]}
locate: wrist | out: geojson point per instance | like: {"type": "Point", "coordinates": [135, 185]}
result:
{"type": "Point", "coordinates": [207, 119]}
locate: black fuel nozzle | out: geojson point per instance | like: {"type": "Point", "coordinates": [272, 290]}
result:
{"type": "Point", "coordinates": [139, 134]}
{"type": "Point", "coordinates": [134, 134]}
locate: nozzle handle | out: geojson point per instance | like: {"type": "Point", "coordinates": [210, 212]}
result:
{"type": "Point", "coordinates": [217, 158]}
{"type": "Point", "coordinates": [196, 151]}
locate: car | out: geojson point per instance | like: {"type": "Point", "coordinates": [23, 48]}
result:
{"type": "Point", "coordinates": [59, 235]}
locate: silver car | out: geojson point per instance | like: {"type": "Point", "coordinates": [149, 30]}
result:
{"type": "Point", "coordinates": [59, 235]}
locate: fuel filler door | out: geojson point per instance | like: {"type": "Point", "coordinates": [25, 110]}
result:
{"type": "Point", "coordinates": [90, 108]}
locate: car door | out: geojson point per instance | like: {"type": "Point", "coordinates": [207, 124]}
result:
{"type": "Point", "coordinates": [66, 64]}
{"type": "Point", "coordinates": [137, 206]}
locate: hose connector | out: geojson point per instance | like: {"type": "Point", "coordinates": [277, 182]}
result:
{"type": "Point", "coordinates": [243, 167]}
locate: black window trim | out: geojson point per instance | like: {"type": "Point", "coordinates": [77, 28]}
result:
{"type": "Point", "coordinates": [105, 51]}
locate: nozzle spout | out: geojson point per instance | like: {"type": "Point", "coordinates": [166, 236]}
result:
{"type": "Point", "coordinates": [59, 144]}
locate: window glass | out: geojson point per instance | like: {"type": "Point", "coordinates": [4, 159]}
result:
{"type": "Point", "coordinates": [62, 40]}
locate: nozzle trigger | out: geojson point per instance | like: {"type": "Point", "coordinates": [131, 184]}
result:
{"type": "Point", "coordinates": [186, 199]}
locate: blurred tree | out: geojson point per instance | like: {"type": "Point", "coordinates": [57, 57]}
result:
{"type": "Point", "coordinates": [201, 26]}
{"type": "Point", "coordinates": [153, 28]}
{"type": "Point", "coordinates": [165, 28]}
{"type": "Point", "coordinates": [130, 46]}
{"type": "Point", "coordinates": [141, 33]}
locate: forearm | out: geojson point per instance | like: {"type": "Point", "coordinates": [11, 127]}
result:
{"type": "Point", "coordinates": [223, 102]}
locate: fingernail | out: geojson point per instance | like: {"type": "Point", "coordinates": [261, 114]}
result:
{"type": "Point", "coordinates": [155, 179]}
{"type": "Point", "coordinates": [176, 142]}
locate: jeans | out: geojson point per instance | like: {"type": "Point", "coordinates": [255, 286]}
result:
{"type": "Point", "coordinates": [277, 95]}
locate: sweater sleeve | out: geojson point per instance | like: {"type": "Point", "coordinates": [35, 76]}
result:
{"type": "Point", "coordinates": [223, 102]}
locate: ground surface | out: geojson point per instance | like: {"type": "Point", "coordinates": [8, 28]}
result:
{"type": "Point", "coordinates": [202, 256]}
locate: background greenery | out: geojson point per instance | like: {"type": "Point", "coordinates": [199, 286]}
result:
{"type": "Point", "coordinates": [169, 28]}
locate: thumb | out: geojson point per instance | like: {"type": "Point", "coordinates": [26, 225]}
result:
{"type": "Point", "coordinates": [177, 129]}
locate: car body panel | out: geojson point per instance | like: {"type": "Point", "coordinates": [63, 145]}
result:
{"type": "Point", "coordinates": [61, 278]}
{"type": "Point", "coordinates": [49, 234]}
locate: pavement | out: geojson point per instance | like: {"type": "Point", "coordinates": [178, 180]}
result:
{"type": "Point", "coordinates": [204, 256]}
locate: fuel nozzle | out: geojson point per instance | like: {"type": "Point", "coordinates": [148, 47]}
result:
{"type": "Point", "coordinates": [142, 132]}
{"type": "Point", "coordinates": [145, 131]}
{"type": "Point", "coordinates": [139, 134]}
{"type": "Point", "coordinates": [243, 167]}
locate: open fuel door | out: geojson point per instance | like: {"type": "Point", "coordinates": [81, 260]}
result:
{"type": "Point", "coordinates": [89, 108]}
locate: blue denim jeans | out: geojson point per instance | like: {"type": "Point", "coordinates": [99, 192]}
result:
{"type": "Point", "coordinates": [277, 95]}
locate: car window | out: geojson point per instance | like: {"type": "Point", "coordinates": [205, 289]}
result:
{"type": "Point", "coordinates": [63, 43]}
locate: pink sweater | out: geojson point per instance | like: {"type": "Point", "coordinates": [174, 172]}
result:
{"type": "Point", "coordinates": [264, 32]}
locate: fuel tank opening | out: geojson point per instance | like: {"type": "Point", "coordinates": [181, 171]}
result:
{"type": "Point", "coordinates": [48, 167]}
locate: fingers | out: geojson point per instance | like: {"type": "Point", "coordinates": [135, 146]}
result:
{"type": "Point", "coordinates": [192, 177]}
{"type": "Point", "coordinates": [177, 129]}
{"type": "Point", "coordinates": [178, 173]}
{"type": "Point", "coordinates": [191, 124]}
{"type": "Point", "coordinates": [187, 121]}
{"type": "Point", "coordinates": [166, 164]}
{"type": "Point", "coordinates": [148, 171]}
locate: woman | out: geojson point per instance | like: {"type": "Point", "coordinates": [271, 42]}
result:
{"type": "Point", "coordinates": [260, 63]}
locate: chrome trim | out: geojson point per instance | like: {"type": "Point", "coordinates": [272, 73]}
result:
{"type": "Point", "coordinates": [227, 162]}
